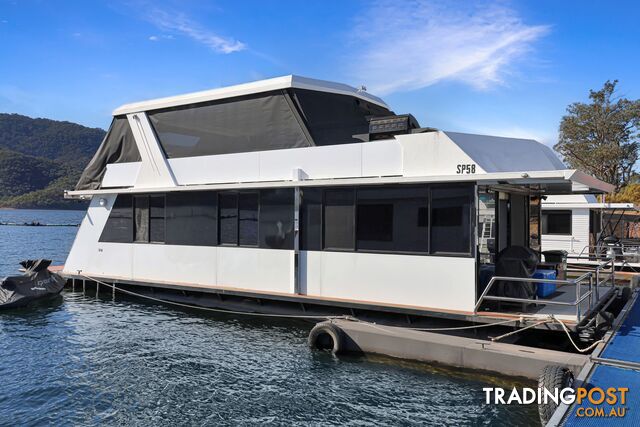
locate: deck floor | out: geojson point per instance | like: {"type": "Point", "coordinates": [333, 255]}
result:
{"type": "Point", "coordinates": [564, 293]}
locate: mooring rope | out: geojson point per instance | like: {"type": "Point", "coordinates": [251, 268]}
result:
{"type": "Point", "coordinates": [566, 330]}
{"type": "Point", "coordinates": [216, 310]}
{"type": "Point", "coordinates": [287, 316]}
{"type": "Point", "coordinates": [352, 318]}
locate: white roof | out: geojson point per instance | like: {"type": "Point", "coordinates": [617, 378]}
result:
{"type": "Point", "coordinates": [259, 86]}
{"type": "Point", "coordinates": [499, 154]}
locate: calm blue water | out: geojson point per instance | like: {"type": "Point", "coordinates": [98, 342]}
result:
{"type": "Point", "coordinates": [82, 361]}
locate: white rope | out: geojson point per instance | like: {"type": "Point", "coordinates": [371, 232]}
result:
{"type": "Point", "coordinates": [520, 330]}
{"type": "Point", "coordinates": [291, 316]}
{"type": "Point", "coordinates": [566, 330]}
{"type": "Point", "coordinates": [296, 316]}
{"type": "Point", "coordinates": [217, 310]}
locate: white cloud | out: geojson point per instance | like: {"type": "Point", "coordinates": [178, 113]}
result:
{"type": "Point", "coordinates": [181, 24]}
{"type": "Point", "coordinates": [407, 46]}
{"type": "Point", "coordinates": [153, 38]}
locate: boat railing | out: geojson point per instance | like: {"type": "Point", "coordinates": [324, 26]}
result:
{"type": "Point", "coordinates": [630, 252]}
{"type": "Point", "coordinates": [595, 279]}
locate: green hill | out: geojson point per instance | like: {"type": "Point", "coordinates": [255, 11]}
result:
{"type": "Point", "coordinates": [40, 158]}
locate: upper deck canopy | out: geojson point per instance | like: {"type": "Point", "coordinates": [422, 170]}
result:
{"type": "Point", "coordinates": [261, 86]}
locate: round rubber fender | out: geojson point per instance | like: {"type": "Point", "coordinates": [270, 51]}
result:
{"type": "Point", "coordinates": [326, 336]}
{"type": "Point", "coordinates": [552, 377]}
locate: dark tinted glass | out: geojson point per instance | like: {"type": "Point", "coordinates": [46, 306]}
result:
{"type": "Point", "coordinates": [556, 222]}
{"type": "Point", "coordinates": [191, 218]}
{"type": "Point", "coordinates": [393, 219]}
{"type": "Point", "coordinates": [119, 226]}
{"type": "Point", "coordinates": [243, 124]}
{"type": "Point", "coordinates": [276, 218]}
{"type": "Point", "coordinates": [228, 218]}
{"type": "Point", "coordinates": [333, 118]}
{"type": "Point", "coordinates": [311, 219]}
{"type": "Point", "coordinates": [248, 218]}
{"type": "Point", "coordinates": [451, 219]}
{"type": "Point", "coordinates": [339, 218]}
{"type": "Point", "coordinates": [156, 218]}
{"type": "Point", "coordinates": [141, 217]}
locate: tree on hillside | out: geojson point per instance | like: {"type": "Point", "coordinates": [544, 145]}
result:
{"type": "Point", "coordinates": [602, 137]}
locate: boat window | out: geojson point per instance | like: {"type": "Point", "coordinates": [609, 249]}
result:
{"type": "Point", "coordinates": [228, 217]}
{"type": "Point", "coordinates": [556, 222]}
{"type": "Point", "coordinates": [276, 218]}
{"type": "Point", "coordinates": [339, 219]}
{"type": "Point", "coordinates": [119, 226]}
{"type": "Point", "coordinates": [156, 218]}
{"type": "Point", "coordinates": [248, 218]}
{"type": "Point", "coordinates": [191, 218]}
{"type": "Point", "coordinates": [311, 220]}
{"type": "Point", "coordinates": [450, 219]}
{"type": "Point", "coordinates": [250, 123]}
{"type": "Point", "coordinates": [393, 219]}
{"type": "Point", "coordinates": [333, 118]}
{"type": "Point", "coordinates": [141, 218]}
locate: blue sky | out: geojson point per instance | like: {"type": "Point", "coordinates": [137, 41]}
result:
{"type": "Point", "coordinates": [504, 68]}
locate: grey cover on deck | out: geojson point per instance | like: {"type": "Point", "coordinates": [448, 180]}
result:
{"type": "Point", "coordinates": [499, 154]}
{"type": "Point", "coordinates": [118, 146]}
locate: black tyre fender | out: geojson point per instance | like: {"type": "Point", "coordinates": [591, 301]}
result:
{"type": "Point", "coordinates": [552, 377]}
{"type": "Point", "coordinates": [326, 336]}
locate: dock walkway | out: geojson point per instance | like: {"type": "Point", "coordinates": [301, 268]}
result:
{"type": "Point", "coordinates": [616, 364]}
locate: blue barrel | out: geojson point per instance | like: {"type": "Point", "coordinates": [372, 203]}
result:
{"type": "Point", "coordinates": [546, 288]}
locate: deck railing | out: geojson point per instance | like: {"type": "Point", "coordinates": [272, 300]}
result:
{"type": "Point", "coordinates": [593, 278]}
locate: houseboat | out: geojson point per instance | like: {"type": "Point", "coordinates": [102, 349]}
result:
{"type": "Point", "coordinates": [300, 195]}
{"type": "Point", "coordinates": [589, 231]}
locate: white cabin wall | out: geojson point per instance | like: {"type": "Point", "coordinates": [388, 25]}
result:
{"type": "Point", "coordinates": [422, 281]}
{"type": "Point", "coordinates": [432, 153]}
{"type": "Point", "coordinates": [92, 257]}
{"type": "Point", "coordinates": [579, 238]}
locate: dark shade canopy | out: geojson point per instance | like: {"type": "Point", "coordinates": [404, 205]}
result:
{"type": "Point", "coordinates": [118, 146]}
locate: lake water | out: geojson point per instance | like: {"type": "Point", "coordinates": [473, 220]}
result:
{"type": "Point", "coordinates": [80, 360]}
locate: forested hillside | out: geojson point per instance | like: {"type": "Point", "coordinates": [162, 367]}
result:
{"type": "Point", "coordinates": [39, 158]}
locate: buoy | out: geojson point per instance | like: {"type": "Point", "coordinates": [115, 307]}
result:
{"type": "Point", "coordinates": [326, 336]}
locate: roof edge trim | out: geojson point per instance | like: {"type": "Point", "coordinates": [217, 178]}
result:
{"type": "Point", "coordinates": [260, 86]}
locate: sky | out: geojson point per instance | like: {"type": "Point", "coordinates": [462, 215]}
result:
{"type": "Point", "coordinates": [507, 68]}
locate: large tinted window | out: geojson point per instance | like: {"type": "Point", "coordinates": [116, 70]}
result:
{"type": "Point", "coordinates": [119, 226]}
{"type": "Point", "coordinates": [393, 219]}
{"type": "Point", "coordinates": [276, 218]}
{"type": "Point", "coordinates": [156, 218]}
{"type": "Point", "coordinates": [333, 118]}
{"type": "Point", "coordinates": [141, 218]}
{"type": "Point", "coordinates": [311, 219]}
{"type": "Point", "coordinates": [248, 218]}
{"type": "Point", "coordinates": [339, 218]}
{"type": "Point", "coordinates": [556, 222]}
{"type": "Point", "coordinates": [243, 124]}
{"type": "Point", "coordinates": [451, 219]}
{"type": "Point", "coordinates": [192, 218]}
{"type": "Point", "coordinates": [228, 218]}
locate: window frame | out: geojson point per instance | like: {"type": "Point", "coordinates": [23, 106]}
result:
{"type": "Point", "coordinates": [544, 221]}
{"type": "Point", "coordinates": [148, 196]}
{"type": "Point", "coordinates": [238, 194]}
